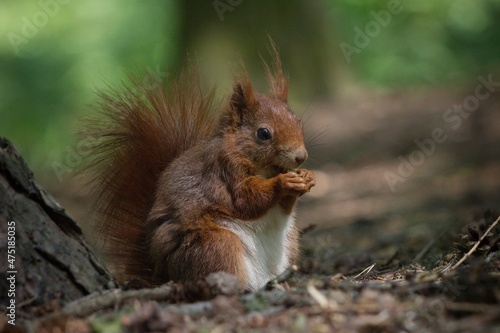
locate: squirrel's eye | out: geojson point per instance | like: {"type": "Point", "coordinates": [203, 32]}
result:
{"type": "Point", "coordinates": [263, 134]}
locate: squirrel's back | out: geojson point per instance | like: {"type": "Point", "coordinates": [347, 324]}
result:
{"type": "Point", "coordinates": [140, 131]}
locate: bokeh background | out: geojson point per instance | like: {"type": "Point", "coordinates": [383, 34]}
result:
{"type": "Point", "coordinates": [370, 78]}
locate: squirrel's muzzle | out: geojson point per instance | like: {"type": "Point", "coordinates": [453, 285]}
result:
{"type": "Point", "coordinates": [300, 156]}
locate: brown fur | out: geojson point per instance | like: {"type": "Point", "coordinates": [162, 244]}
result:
{"type": "Point", "coordinates": [169, 176]}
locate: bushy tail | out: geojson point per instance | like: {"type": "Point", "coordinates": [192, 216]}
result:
{"type": "Point", "coordinates": [140, 131]}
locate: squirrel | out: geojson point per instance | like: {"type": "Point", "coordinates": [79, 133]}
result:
{"type": "Point", "coordinates": [182, 191]}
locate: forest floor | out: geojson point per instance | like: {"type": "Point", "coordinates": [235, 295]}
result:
{"type": "Point", "coordinates": [405, 188]}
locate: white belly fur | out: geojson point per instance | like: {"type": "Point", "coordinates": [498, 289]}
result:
{"type": "Point", "coordinates": [265, 243]}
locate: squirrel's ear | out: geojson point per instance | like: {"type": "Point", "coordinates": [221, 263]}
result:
{"type": "Point", "coordinates": [278, 84]}
{"type": "Point", "coordinates": [243, 98]}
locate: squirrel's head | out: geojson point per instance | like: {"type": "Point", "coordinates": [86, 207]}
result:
{"type": "Point", "coordinates": [265, 130]}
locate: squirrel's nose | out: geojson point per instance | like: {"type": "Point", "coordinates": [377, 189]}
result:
{"type": "Point", "coordinates": [300, 156]}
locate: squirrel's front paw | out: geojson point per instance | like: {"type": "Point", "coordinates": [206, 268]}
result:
{"type": "Point", "coordinates": [308, 176]}
{"type": "Point", "coordinates": [295, 183]}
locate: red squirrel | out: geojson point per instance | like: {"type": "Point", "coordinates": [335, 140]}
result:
{"type": "Point", "coordinates": [182, 191]}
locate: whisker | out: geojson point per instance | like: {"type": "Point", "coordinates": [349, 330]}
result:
{"type": "Point", "coordinates": [319, 133]}
{"type": "Point", "coordinates": [303, 113]}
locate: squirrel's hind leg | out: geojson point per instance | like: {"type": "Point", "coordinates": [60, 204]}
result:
{"type": "Point", "coordinates": [190, 253]}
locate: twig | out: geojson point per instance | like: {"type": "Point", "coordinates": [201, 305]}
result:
{"type": "Point", "coordinates": [191, 309]}
{"type": "Point", "coordinates": [286, 274]}
{"type": "Point", "coordinates": [283, 277]}
{"type": "Point", "coordinates": [317, 295]}
{"type": "Point", "coordinates": [89, 304]}
{"type": "Point", "coordinates": [468, 254]}
{"type": "Point", "coordinates": [27, 302]}
{"type": "Point", "coordinates": [364, 271]}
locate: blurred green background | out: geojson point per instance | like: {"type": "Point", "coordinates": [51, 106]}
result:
{"type": "Point", "coordinates": [54, 54]}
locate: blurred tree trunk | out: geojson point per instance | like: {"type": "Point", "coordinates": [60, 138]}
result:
{"type": "Point", "coordinates": [298, 27]}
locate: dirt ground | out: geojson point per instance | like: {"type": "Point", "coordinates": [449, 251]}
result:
{"type": "Point", "coordinates": [405, 187]}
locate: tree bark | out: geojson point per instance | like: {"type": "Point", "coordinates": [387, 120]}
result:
{"type": "Point", "coordinates": [50, 261]}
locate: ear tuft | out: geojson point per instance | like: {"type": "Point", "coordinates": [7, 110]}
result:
{"type": "Point", "coordinates": [278, 84]}
{"type": "Point", "coordinates": [243, 97]}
